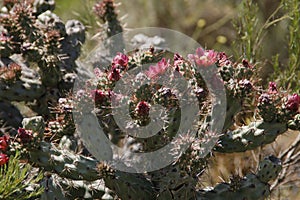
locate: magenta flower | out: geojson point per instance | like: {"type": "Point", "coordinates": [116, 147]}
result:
{"type": "Point", "coordinates": [293, 103]}
{"type": "Point", "coordinates": [178, 59]}
{"type": "Point", "coordinates": [204, 58]}
{"type": "Point", "coordinates": [223, 59]}
{"type": "Point", "coordinates": [143, 108]}
{"type": "Point", "coordinates": [24, 135]}
{"type": "Point", "coordinates": [246, 64]}
{"type": "Point", "coordinates": [272, 88]}
{"type": "Point", "coordinates": [120, 60]}
{"type": "Point", "coordinates": [98, 73]}
{"type": "Point", "coordinates": [4, 38]}
{"type": "Point", "coordinates": [158, 69]}
{"type": "Point", "coordinates": [99, 96]}
{"type": "Point", "coordinates": [4, 142]}
{"type": "Point", "coordinates": [114, 74]}
{"type": "Point", "coordinates": [265, 99]}
{"type": "Point", "coordinates": [3, 159]}
{"type": "Point", "coordinates": [245, 84]}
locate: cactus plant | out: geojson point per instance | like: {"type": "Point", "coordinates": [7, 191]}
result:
{"type": "Point", "coordinates": [38, 67]}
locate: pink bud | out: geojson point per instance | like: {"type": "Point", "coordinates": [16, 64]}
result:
{"type": "Point", "coordinates": [272, 88]}
{"type": "Point", "coordinates": [114, 74]}
{"type": "Point", "coordinates": [121, 60]}
{"type": "Point", "coordinates": [293, 102]}
{"type": "Point", "coordinates": [24, 135]}
{"type": "Point", "coordinates": [3, 159]}
{"type": "Point", "coordinates": [143, 108]}
{"type": "Point", "coordinates": [4, 142]}
{"type": "Point", "coordinates": [204, 58]}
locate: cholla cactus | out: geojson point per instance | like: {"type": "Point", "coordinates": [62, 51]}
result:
{"type": "Point", "coordinates": [179, 180]}
{"type": "Point", "coordinates": [38, 53]}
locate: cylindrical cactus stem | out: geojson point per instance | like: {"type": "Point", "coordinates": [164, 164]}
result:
{"type": "Point", "coordinates": [35, 124]}
{"type": "Point", "coordinates": [10, 116]}
{"type": "Point", "coordinates": [62, 188]}
{"type": "Point", "coordinates": [52, 21]}
{"type": "Point", "coordinates": [127, 185]}
{"type": "Point", "coordinates": [71, 45]}
{"type": "Point", "coordinates": [41, 6]}
{"type": "Point", "coordinates": [250, 187]}
{"type": "Point", "coordinates": [26, 88]}
{"type": "Point", "coordinates": [234, 105]}
{"type": "Point", "coordinates": [250, 137]}
{"type": "Point", "coordinates": [172, 182]}
{"type": "Point", "coordinates": [41, 105]}
{"type": "Point", "coordinates": [65, 163]}
{"type": "Point", "coordinates": [106, 11]}
{"type": "Point", "coordinates": [269, 169]}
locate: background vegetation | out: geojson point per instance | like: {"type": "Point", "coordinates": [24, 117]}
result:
{"type": "Point", "coordinates": [266, 32]}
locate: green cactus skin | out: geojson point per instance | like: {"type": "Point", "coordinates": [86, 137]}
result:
{"type": "Point", "coordinates": [106, 11]}
{"type": "Point", "coordinates": [61, 188]}
{"type": "Point", "coordinates": [269, 169]}
{"type": "Point", "coordinates": [251, 187]}
{"type": "Point", "coordinates": [63, 162]}
{"type": "Point", "coordinates": [35, 124]}
{"type": "Point", "coordinates": [51, 20]}
{"type": "Point", "coordinates": [22, 90]}
{"type": "Point", "coordinates": [127, 185]}
{"type": "Point", "coordinates": [173, 183]}
{"type": "Point", "coordinates": [10, 116]}
{"type": "Point", "coordinates": [249, 137]}
{"type": "Point", "coordinates": [66, 164]}
{"type": "Point", "coordinates": [234, 105]}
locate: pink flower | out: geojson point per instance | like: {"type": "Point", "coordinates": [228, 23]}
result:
{"type": "Point", "coordinates": [120, 60]}
{"type": "Point", "coordinates": [114, 74]}
{"type": "Point", "coordinates": [4, 142]}
{"type": "Point", "coordinates": [178, 59]}
{"type": "Point", "coordinates": [99, 96]}
{"type": "Point", "coordinates": [293, 102]}
{"type": "Point", "coordinates": [143, 108]}
{"type": "Point", "coordinates": [222, 56]}
{"type": "Point", "coordinates": [158, 69]}
{"type": "Point", "coordinates": [98, 73]}
{"type": "Point", "coordinates": [264, 99]}
{"type": "Point", "coordinates": [24, 135]}
{"type": "Point", "coordinates": [223, 59]}
{"type": "Point", "coordinates": [272, 88]}
{"type": "Point", "coordinates": [246, 64]}
{"type": "Point", "coordinates": [204, 57]}
{"type": "Point", "coordinates": [3, 159]}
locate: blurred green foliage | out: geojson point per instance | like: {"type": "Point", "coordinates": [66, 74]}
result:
{"type": "Point", "coordinates": [16, 180]}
